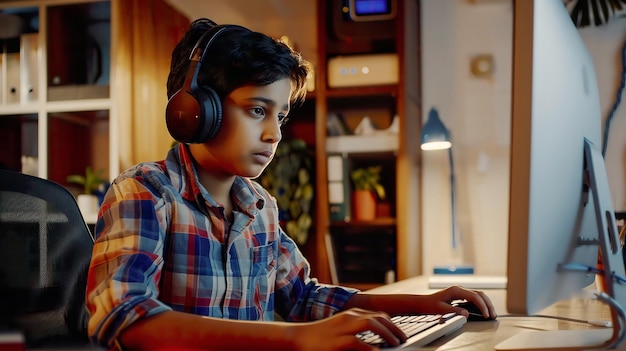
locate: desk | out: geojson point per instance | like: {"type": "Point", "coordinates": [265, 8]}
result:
{"type": "Point", "coordinates": [481, 336]}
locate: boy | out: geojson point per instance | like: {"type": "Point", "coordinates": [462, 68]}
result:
{"type": "Point", "coordinates": [189, 252]}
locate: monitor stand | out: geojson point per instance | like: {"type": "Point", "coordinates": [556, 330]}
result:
{"type": "Point", "coordinates": [615, 296]}
{"type": "Point", "coordinates": [561, 340]}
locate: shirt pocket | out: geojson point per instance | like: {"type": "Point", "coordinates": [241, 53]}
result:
{"type": "Point", "coordinates": [263, 278]}
{"type": "Point", "coordinates": [263, 260]}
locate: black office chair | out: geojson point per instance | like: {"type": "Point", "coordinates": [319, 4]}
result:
{"type": "Point", "coordinates": [45, 248]}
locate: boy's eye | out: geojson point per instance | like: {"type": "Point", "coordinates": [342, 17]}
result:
{"type": "Point", "coordinates": [257, 111]}
{"type": "Point", "coordinates": [282, 119]}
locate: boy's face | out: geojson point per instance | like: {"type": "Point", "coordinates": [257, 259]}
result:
{"type": "Point", "coordinates": [249, 133]}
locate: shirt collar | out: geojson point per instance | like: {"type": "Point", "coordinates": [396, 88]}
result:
{"type": "Point", "coordinates": [180, 162]}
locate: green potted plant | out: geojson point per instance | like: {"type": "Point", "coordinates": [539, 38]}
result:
{"type": "Point", "coordinates": [288, 179]}
{"type": "Point", "coordinates": [90, 181]}
{"type": "Point", "coordinates": [367, 187]}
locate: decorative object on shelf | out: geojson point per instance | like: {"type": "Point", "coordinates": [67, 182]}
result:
{"type": "Point", "coordinates": [91, 181]}
{"type": "Point", "coordinates": [435, 136]}
{"type": "Point", "coordinates": [597, 12]}
{"type": "Point", "coordinates": [11, 26]}
{"type": "Point", "coordinates": [394, 127]}
{"type": "Point", "coordinates": [366, 187]}
{"type": "Point", "coordinates": [366, 127]}
{"type": "Point", "coordinates": [288, 179]}
{"type": "Point", "coordinates": [335, 125]}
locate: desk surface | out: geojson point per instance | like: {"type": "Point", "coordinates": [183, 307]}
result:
{"type": "Point", "coordinates": [481, 336]}
{"type": "Point", "coordinates": [486, 335]}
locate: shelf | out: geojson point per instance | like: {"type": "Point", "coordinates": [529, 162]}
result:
{"type": "Point", "coordinates": [362, 143]}
{"type": "Point", "coordinates": [64, 63]}
{"type": "Point", "coordinates": [378, 222]}
{"type": "Point", "coordinates": [388, 243]}
{"type": "Point", "coordinates": [78, 92]}
{"type": "Point", "coordinates": [79, 105]}
{"type": "Point", "coordinates": [17, 109]}
{"type": "Point", "coordinates": [56, 106]}
{"type": "Point", "coordinates": [391, 90]}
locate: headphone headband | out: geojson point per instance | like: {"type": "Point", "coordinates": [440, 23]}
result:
{"type": "Point", "coordinates": [198, 55]}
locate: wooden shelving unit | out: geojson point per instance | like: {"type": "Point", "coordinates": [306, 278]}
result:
{"type": "Point", "coordinates": [364, 251]}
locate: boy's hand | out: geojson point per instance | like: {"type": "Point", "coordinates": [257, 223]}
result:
{"type": "Point", "coordinates": [440, 301]}
{"type": "Point", "coordinates": [338, 332]}
{"type": "Point", "coordinates": [435, 303]}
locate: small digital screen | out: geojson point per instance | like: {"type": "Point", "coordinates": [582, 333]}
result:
{"type": "Point", "coordinates": [372, 7]}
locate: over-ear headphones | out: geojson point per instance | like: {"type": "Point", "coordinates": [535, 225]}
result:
{"type": "Point", "coordinates": [194, 114]}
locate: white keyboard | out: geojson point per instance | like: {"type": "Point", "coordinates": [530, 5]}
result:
{"type": "Point", "coordinates": [421, 329]}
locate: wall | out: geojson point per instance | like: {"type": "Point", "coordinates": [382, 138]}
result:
{"type": "Point", "coordinates": [139, 70]}
{"type": "Point", "coordinates": [477, 112]}
{"type": "Point", "coordinates": [605, 44]}
{"type": "Point", "coordinates": [295, 19]}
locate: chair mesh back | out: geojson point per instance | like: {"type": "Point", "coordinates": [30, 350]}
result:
{"type": "Point", "coordinates": [45, 248]}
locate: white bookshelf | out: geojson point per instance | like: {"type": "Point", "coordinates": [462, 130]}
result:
{"type": "Point", "coordinates": [80, 102]}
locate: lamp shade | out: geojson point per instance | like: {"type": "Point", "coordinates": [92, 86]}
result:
{"type": "Point", "coordinates": [434, 134]}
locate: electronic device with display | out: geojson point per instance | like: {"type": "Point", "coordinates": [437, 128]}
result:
{"type": "Point", "coordinates": [561, 213]}
{"type": "Point", "coordinates": [371, 10]}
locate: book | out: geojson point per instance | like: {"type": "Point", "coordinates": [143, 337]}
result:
{"type": "Point", "coordinates": [338, 188]}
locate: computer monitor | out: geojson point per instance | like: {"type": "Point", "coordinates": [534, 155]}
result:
{"type": "Point", "coordinates": [560, 208]}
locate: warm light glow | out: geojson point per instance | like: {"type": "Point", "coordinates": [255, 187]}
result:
{"type": "Point", "coordinates": [436, 145]}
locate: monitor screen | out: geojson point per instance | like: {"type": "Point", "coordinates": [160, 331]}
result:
{"type": "Point", "coordinates": [372, 7]}
{"type": "Point", "coordinates": [372, 10]}
{"type": "Point", "coordinates": [560, 208]}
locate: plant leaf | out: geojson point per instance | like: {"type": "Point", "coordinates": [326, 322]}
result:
{"type": "Point", "coordinates": [597, 15]}
{"type": "Point", "coordinates": [76, 178]}
{"type": "Point", "coordinates": [582, 11]}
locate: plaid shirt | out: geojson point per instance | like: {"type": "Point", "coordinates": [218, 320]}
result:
{"type": "Point", "coordinates": [163, 244]}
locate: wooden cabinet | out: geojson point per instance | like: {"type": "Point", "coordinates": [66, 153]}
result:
{"type": "Point", "coordinates": [55, 105]}
{"type": "Point", "coordinates": [362, 252]}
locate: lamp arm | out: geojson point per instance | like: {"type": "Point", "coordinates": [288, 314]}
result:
{"type": "Point", "coordinates": [455, 237]}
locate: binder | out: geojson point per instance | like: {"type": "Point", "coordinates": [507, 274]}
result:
{"type": "Point", "coordinates": [12, 91]}
{"type": "Point", "coordinates": [28, 66]}
{"type": "Point", "coordinates": [338, 188]}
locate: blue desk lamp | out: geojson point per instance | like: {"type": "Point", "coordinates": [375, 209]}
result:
{"type": "Point", "coordinates": [435, 136]}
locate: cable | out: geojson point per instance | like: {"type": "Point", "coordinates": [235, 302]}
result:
{"type": "Point", "coordinates": [618, 99]}
{"type": "Point", "coordinates": [616, 307]}
{"type": "Point", "coordinates": [596, 323]}
{"type": "Point", "coordinates": [589, 269]}
{"type": "Point", "coordinates": [621, 317]}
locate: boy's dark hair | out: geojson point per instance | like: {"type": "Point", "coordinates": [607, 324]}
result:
{"type": "Point", "coordinates": [238, 57]}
